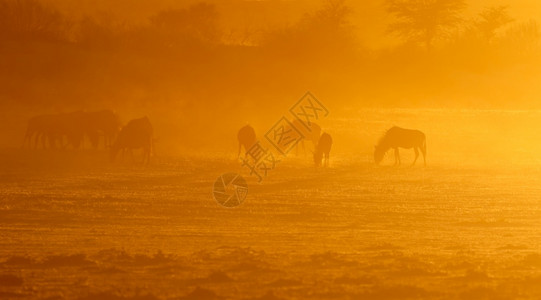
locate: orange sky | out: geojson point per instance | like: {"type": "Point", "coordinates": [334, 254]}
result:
{"type": "Point", "coordinates": [286, 9]}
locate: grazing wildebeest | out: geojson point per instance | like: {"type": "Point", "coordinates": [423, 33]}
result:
{"type": "Point", "coordinates": [397, 137]}
{"type": "Point", "coordinates": [323, 147]}
{"type": "Point", "coordinates": [135, 135]}
{"type": "Point", "coordinates": [103, 122]}
{"type": "Point", "coordinates": [246, 137]}
{"type": "Point", "coordinates": [310, 131]}
{"type": "Point", "coordinates": [64, 129]}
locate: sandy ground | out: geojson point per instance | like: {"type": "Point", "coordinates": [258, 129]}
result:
{"type": "Point", "coordinates": [85, 229]}
{"type": "Point", "coordinates": [468, 226]}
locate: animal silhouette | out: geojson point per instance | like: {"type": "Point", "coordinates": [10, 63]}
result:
{"type": "Point", "coordinates": [136, 134]}
{"type": "Point", "coordinates": [323, 148]}
{"type": "Point", "coordinates": [397, 137]}
{"type": "Point", "coordinates": [50, 130]}
{"type": "Point", "coordinates": [246, 137]}
{"type": "Point", "coordinates": [310, 132]}
{"type": "Point", "coordinates": [65, 129]}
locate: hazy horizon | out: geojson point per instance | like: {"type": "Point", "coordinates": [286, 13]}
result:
{"type": "Point", "coordinates": [270, 150]}
{"type": "Point", "coordinates": [263, 13]}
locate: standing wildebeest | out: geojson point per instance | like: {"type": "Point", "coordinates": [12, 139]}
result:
{"type": "Point", "coordinates": [136, 134]}
{"type": "Point", "coordinates": [246, 137]}
{"type": "Point", "coordinates": [397, 137]}
{"type": "Point", "coordinates": [311, 132]}
{"type": "Point", "coordinates": [323, 147]}
{"type": "Point", "coordinates": [64, 129]}
{"type": "Point", "coordinates": [51, 129]}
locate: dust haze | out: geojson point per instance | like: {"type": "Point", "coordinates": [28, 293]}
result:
{"type": "Point", "coordinates": [119, 116]}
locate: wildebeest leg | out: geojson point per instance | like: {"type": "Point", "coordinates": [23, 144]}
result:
{"type": "Point", "coordinates": [152, 149]}
{"type": "Point", "coordinates": [326, 159]}
{"type": "Point", "coordinates": [131, 155]}
{"type": "Point", "coordinates": [396, 157]}
{"type": "Point", "coordinates": [64, 143]}
{"type": "Point", "coordinates": [148, 149]}
{"type": "Point", "coordinates": [423, 150]}
{"type": "Point", "coordinates": [27, 143]}
{"type": "Point", "coordinates": [416, 155]}
{"type": "Point", "coordinates": [40, 138]}
{"type": "Point", "coordinates": [146, 155]}
{"type": "Point", "coordinates": [93, 137]}
{"type": "Point", "coordinates": [238, 154]}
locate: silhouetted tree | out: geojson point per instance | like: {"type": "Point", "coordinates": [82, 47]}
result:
{"type": "Point", "coordinates": [325, 35]}
{"type": "Point", "coordinates": [424, 20]}
{"type": "Point", "coordinates": [334, 15]}
{"type": "Point", "coordinates": [30, 19]}
{"type": "Point", "coordinates": [524, 38]}
{"type": "Point", "coordinates": [199, 22]}
{"type": "Point", "coordinates": [100, 31]}
{"type": "Point", "coordinates": [491, 20]}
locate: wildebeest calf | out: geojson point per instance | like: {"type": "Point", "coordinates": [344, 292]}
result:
{"type": "Point", "coordinates": [323, 147]}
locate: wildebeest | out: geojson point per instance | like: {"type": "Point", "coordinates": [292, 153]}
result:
{"type": "Point", "coordinates": [310, 131]}
{"type": "Point", "coordinates": [246, 137]}
{"type": "Point", "coordinates": [323, 148]}
{"type": "Point", "coordinates": [136, 134]}
{"type": "Point", "coordinates": [397, 137]}
{"type": "Point", "coordinates": [55, 130]}
{"type": "Point", "coordinates": [64, 129]}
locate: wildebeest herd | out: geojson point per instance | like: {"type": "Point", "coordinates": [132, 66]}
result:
{"type": "Point", "coordinates": [393, 138]}
{"type": "Point", "coordinates": [71, 130]}
{"type": "Point", "coordinates": [63, 130]}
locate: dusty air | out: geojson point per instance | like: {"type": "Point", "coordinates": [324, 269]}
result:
{"type": "Point", "coordinates": [271, 149]}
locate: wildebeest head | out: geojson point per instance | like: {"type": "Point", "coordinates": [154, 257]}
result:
{"type": "Point", "coordinates": [379, 152]}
